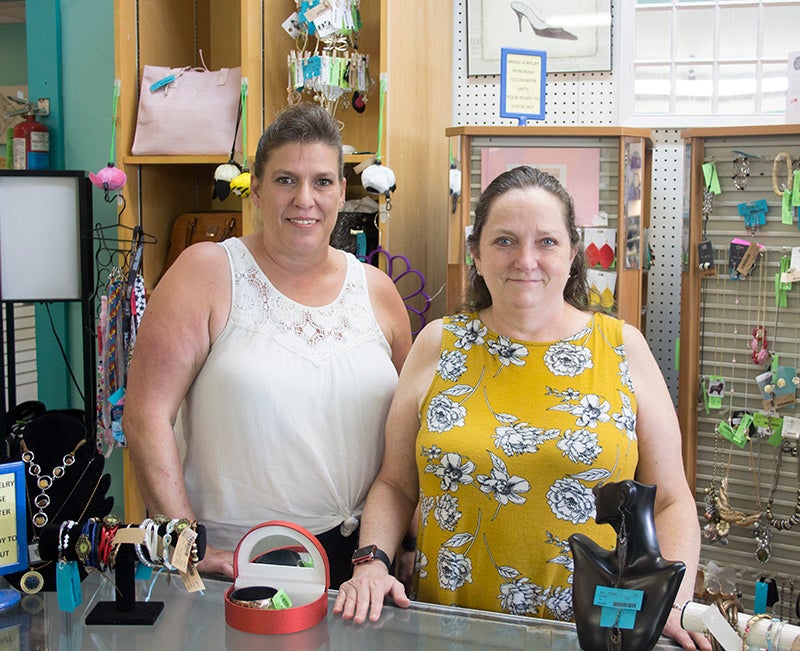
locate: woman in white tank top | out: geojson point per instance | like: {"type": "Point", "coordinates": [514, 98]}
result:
{"type": "Point", "coordinates": [281, 355]}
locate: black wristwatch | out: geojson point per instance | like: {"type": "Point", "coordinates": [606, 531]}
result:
{"type": "Point", "coordinates": [371, 553]}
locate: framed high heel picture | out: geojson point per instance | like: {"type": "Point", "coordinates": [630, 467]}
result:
{"type": "Point", "coordinates": [576, 35]}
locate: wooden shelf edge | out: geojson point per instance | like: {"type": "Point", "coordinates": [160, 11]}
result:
{"type": "Point", "coordinates": [546, 131]}
{"type": "Point", "coordinates": [216, 159]}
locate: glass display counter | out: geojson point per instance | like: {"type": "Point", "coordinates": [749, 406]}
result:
{"type": "Point", "coordinates": [197, 621]}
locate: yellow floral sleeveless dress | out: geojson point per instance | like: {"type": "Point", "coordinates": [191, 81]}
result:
{"type": "Point", "coordinates": [514, 436]}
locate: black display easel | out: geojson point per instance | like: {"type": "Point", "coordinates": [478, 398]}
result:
{"type": "Point", "coordinates": [125, 610]}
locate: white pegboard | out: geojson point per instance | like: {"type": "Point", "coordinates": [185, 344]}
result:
{"type": "Point", "coordinates": [592, 99]}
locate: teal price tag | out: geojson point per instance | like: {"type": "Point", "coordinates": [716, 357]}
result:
{"type": "Point", "coordinates": [143, 572]}
{"type": "Point", "coordinates": [68, 586]}
{"type": "Point", "coordinates": [618, 606]}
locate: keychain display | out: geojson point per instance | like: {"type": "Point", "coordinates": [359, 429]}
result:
{"type": "Point", "coordinates": [335, 68]}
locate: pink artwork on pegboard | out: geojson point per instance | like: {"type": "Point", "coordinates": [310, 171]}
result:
{"type": "Point", "coordinates": [577, 168]}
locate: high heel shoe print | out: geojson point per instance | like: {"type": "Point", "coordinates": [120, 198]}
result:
{"type": "Point", "coordinates": [539, 26]}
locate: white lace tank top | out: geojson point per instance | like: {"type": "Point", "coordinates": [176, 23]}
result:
{"type": "Point", "coordinates": [285, 420]}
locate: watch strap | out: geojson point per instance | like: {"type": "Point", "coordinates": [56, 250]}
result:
{"type": "Point", "coordinates": [381, 555]}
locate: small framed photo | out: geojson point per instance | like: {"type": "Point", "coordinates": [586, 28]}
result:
{"type": "Point", "coordinates": [13, 514]}
{"type": "Point", "coordinates": [523, 76]}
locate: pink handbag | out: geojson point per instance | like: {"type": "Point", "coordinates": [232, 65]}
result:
{"type": "Point", "coordinates": [187, 111]}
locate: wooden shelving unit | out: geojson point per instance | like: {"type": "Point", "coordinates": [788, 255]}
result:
{"type": "Point", "coordinates": [613, 142]}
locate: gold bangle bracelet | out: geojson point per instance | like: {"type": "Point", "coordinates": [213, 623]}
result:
{"type": "Point", "coordinates": [748, 626]}
{"type": "Point", "coordinates": [258, 597]}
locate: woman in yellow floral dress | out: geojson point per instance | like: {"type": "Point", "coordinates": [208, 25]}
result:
{"type": "Point", "coordinates": [505, 418]}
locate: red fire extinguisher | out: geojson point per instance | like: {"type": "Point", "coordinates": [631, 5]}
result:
{"type": "Point", "coordinates": [31, 139]}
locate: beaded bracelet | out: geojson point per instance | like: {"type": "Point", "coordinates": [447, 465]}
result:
{"type": "Point", "coordinates": [748, 626]}
{"type": "Point", "coordinates": [776, 636]}
{"type": "Point", "coordinates": [768, 633]}
{"type": "Point", "coordinates": [63, 539]}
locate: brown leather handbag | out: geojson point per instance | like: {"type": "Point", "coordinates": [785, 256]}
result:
{"type": "Point", "coordinates": [202, 226]}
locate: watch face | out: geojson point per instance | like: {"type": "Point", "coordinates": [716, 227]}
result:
{"type": "Point", "coordinates": [364, 554]}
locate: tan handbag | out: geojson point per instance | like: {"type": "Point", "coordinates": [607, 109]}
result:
{"type": "Point", "coordinates": [203, 226]}
{"type": "Point", "coordinates": [187, 111]}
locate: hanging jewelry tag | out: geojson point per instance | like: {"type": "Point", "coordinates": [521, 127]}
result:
{"type": "Point", "coordinates": [711, 178]}
{"type": "Point", "coordinates": [736, 436]}
{"type": "Point", "coordinates": [68, 586]}
{"type": "Point", "coordinates": [715, 391]}
{"type": "Point", "coordinates": [748, 259]}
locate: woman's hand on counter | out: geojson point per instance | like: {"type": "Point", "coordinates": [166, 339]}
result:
{"type": "Point", "coordinates": [688, 640]}
{"type": "Point", "coordinates": [217, 561]}
{"type": "Point", "coordinates": [363, 594]}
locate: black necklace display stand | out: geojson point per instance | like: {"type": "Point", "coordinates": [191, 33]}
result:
{"type": "Point", "coordinates": [125, 610]}
{"type": "Point", "coordinates": [635, 564]}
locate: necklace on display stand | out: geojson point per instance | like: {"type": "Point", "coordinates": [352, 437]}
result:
{"type": "Point", "coordinates": [43, 481]}
{"type": "Point", "coordinates": [32, 581]}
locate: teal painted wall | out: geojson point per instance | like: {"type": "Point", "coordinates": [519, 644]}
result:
{"type": "Point", "coordinates": [13, 54]}
{"type": "Point", "coordinates": [71, 61]}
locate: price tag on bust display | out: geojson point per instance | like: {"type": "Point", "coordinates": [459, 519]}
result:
{"type": "Point", "coordinates": [619, 606]}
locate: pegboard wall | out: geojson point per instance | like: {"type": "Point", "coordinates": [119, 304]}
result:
{"type": "Point", "coordinates": [591, 99]}
{"type": "Point", "coordinates": [760, 474]}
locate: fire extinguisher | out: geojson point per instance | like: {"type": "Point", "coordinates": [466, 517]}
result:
{"type": "Point", "coordinates": [31, 145]}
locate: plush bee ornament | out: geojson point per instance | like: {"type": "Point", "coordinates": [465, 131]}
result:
{"type": "Point", "coordinates": [240, 186]}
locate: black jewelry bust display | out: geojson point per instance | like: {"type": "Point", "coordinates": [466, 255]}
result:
{"type": "Point", "coordinates": [635, 564]}
{"type": "Point", "coordinates": [64, 461]}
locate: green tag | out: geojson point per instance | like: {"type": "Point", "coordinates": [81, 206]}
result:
{"type": "Point", "coordinates": [715, 392]}
{"type": "Point", "coordinates": [775, 423]}
{"type": "Point", "coordinates": [711, 178]}
{"type": "Point", "coordinates": [736, 436]}
{"type": "Point", "coordinates": [786, 207]}
{"type": "Point", "coordinates": [796, 188]}
{"type": "Point", "coordinates": [281, 600]}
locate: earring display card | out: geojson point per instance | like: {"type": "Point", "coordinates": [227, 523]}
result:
{"type": "Point", "coordinates": [705, 258]}
{"type": "Point", "coordinates": [737, 250]}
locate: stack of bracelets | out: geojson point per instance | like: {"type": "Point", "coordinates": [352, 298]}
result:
{"type": "Point", "coordinates": [95, 547]}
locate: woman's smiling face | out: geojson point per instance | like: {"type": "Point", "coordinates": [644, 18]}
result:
{"type": "Point", "coordinates": [299, 194]}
